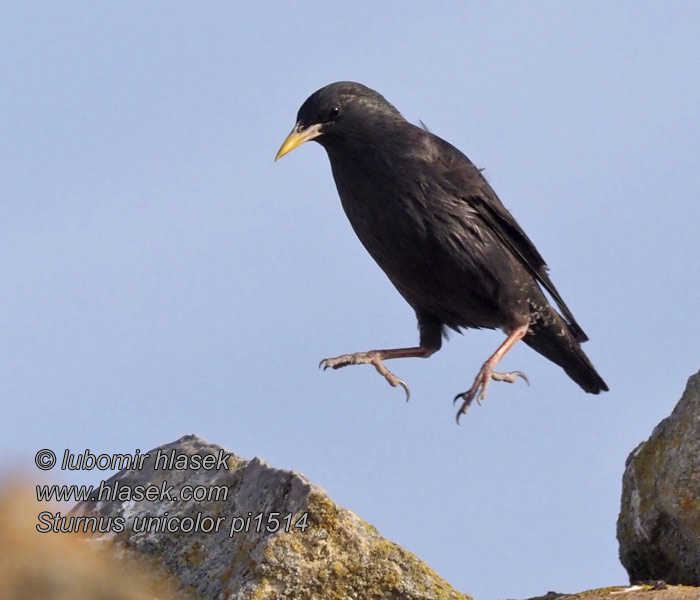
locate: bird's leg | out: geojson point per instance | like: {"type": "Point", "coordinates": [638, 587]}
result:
{"type": "Point", "coordinates": [375, 357]}
{"type": "Point", "coordinates": [487, 373]}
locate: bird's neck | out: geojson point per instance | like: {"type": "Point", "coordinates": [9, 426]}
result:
{"type": "Point", "coordinates": [369, 148]}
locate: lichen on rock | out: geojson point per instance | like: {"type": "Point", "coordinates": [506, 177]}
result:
{"type": "Point", "coordinates": [279, 537]}
{"type": "Point", "coordinates": [659, 524]}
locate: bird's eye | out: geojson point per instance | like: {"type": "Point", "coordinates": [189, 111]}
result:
{"type": "Point", "coordinates": [334, 112]}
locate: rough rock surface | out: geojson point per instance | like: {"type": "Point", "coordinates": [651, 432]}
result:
{"type": "Point", "coordinates": [659, 591]}
{"type": "Point", "coordinates": [659, 524]}
{"type": "Point", "coordinates": [318, 550]}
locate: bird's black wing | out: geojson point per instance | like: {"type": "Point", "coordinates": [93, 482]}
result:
{"type": "Point", "coordinates": [469, 184]}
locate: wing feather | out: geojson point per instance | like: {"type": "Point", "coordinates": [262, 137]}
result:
{"type": "Point", "coordinates": [471, 186]}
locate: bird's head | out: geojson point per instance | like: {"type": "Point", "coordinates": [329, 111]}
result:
{"type": "Point", "coordinates": [336, 112]}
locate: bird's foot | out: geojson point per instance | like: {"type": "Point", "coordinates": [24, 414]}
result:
{"type": "Point", "coordinates": [373, 357]}
{"type": "Point", "coordinates": [481, 384]}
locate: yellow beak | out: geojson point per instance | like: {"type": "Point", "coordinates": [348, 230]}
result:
{"type": "Point", "coordinates": [297, 138]}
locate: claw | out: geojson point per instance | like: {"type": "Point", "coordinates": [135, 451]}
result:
{"type": "Point", "coordinates": [467, 398]}
{"type": "Point", "coordinates": [337, 363]}
{"type": "Point", "coordinates": [404, 385]}
{"type": "Point", "coordinates": [460, 412]}
{"type": "Point", "coordinates": [510, 377]}
{"type": "Point", "coordinates": [372, 358]}
{"type": "Point", "coordinates": [480, 386]}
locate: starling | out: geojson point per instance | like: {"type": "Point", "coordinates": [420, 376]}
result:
{"type": "Point", "coordinates": [431, 221]}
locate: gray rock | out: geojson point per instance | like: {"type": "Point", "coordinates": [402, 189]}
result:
{"type": "Point", "coordinates": [659, 524]}
{"type": "Point", "coordinates": [659, 591]}
{"type": "Point", "coordinates": [269, 534]}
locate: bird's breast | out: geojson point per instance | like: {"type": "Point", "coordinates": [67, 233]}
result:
{"type": "Point", "coordinates": [428, 242]}
{"type": "Point", "coordinates": [387, 212]}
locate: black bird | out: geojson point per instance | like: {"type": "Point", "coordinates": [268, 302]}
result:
{"type": "Point", "coordinates": [431, 221]}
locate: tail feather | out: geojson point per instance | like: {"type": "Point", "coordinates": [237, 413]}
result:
{"type": "Point", "coordinates": [550, 336]}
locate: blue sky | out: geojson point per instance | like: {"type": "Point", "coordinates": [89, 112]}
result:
{"type": "Point", "coordinates": [160, 275]}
